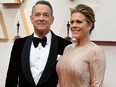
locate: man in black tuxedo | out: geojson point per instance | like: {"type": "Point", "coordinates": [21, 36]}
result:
{"type": "Point", "coordinates": [33, 64]}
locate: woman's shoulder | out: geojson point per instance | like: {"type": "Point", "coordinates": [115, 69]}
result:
{"type": "Point", "coordinates": [96, 48]}
{"type": "Point", "coordinates": [97, 52]}
{"type": "Point", "coordinates": [69, 47]}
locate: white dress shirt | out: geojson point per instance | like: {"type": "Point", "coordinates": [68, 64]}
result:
{"type": "Point", "coordinates": [39, 57]}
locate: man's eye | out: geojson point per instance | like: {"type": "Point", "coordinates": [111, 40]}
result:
{"type": "Point", "coordinates": [46, 15]}
{"type": "Point", "coordinates": [37, 15]}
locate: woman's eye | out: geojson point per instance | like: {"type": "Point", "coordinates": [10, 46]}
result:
{"type": "Point", "coordinates": [78, 21]}
{"type": "Point", "coordinates": [71, 22]}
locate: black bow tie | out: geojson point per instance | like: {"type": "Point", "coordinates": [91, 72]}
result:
{"type": "Point", "coordinates": [36, 41]}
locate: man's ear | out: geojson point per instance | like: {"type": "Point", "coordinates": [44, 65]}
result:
{"type": "Point", "coordinates": [52, 20]}
{"type": "Point", "coordinates": [31, 18]}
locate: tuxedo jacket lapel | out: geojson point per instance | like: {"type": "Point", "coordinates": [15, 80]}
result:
{"type": "Point", "coordinates": [25, 60]}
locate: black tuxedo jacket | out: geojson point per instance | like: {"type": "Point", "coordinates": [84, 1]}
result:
{"type": "Point", "coordinates": [19, 72]}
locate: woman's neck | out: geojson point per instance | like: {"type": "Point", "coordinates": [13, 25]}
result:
{"type": "Point", "coordinates": [82, 42]}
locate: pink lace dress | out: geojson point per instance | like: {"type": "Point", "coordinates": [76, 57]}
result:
{"type": "Point", "coordinates": [81, 67]}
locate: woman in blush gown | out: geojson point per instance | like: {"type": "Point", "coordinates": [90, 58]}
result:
{"type": "Point", "coordinates": [83, 63]}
